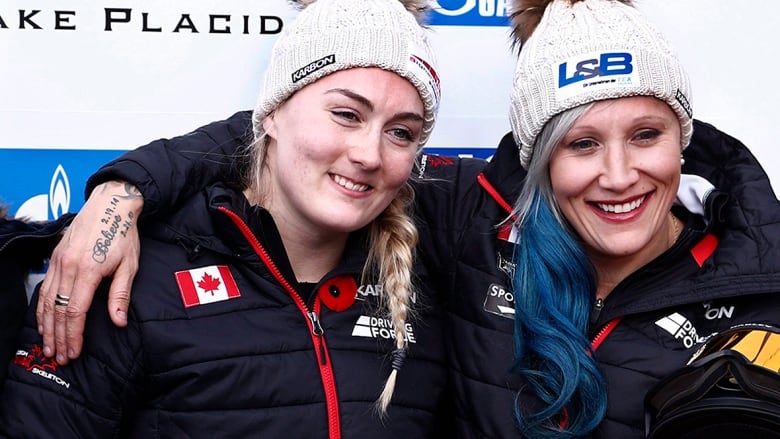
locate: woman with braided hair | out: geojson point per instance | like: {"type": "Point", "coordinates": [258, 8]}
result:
{"type": "Point", "coordinates": [284, 306]}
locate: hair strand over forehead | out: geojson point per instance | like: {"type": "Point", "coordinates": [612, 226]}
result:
{"type": "Point", "coordinates": [525, 15]}
{"type": "Point", "coordinates": [418, 8]}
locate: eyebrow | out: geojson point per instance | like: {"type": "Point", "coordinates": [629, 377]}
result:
{"type": "Point", "coordinates": [652, 118]}
{"type": "Point", "coordinates": [364, 101]}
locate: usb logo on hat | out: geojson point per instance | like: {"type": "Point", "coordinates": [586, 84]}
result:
{"type": "Point", "coordinates": [607, 64]}
{"type": "Point", "coordinates": [594, 70]}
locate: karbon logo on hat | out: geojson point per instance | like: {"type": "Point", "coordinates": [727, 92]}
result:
{"type": "Point", "coordinates": [313, 67]}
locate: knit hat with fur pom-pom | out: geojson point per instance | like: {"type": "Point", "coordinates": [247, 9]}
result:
{"type": "Point", "coordinates": [573, 52]}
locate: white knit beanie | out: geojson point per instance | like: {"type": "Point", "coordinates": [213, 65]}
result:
{"type": "Point", "coordinates": [592, 50]}
{"type": "Point", "coordinates": [333, 35]}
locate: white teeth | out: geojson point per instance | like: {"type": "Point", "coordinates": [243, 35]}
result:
{"type": "Point", "coordinates": [621, 208]}
{"type": "Point", "coordinates": [341, 181]}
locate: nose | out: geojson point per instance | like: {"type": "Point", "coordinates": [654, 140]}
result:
{"type": "Point", "coordinates": [365, 150]}
{"type": "Point", "coordinates": [619, 170]}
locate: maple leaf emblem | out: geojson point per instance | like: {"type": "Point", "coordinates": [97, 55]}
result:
{"type": "Point", "coordinates": [209, 284]}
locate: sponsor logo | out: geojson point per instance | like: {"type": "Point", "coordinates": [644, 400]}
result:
{"type": "Point", "coordinates": [142, 20]}
{"type": "Point", "coordinates": [367, 291]}
{"type": "Point", "coordinates": [434, 160]}
{"type": "Point", "coordinates": [204, 285]}
{"type": "Point", "coordinates": [500, 301]}
{"type": "Point", "coordinates": [426, 74]}
{"type": "Point", "coordinates": [313, 67]}
{"type": "Point", "coordinates": [717, 312]}
{"type": "Point", "coordinates": [469, 13]}
{"type": "Point", "coordinates": [680, 97]}
{"type": "Point", "coordinates": [506, 265]}
{"type": "Point", "coordinates": [41, 207]}
{"type": "Point", "coordinates": [38, 364]}
{"type": "Point", "coordinates": [680, 328]}
{"type": "Point", "coordinates": [595, 70]}
{"type": "Point", "coordinates": [38, 183]}
{"type": "Point", "coordinates": [378, 327]}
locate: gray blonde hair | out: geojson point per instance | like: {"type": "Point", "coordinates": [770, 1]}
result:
{"type": "Point", "coordinates": [538, 177]}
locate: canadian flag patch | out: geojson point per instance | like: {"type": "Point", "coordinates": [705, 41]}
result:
{"type": "Point", "coordinates": [204, 285]}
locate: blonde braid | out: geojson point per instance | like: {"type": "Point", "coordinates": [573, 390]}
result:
{"type": "Point", "coordinates": [393, 239]}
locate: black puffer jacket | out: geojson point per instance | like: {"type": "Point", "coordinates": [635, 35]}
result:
{"type": "Point", "coordinates": [724, 270]}
{"type": "Point", "coordinates": [469, 258]}
{"type": "Point", "coordinates": [24, 246]}
{"type": "Point", "coordinates": [218, 346]}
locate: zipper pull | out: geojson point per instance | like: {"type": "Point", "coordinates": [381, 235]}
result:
{"type": "Point", "coordinates": [598, 305]}
{"type": "Point", "coordinates": [316, 329]}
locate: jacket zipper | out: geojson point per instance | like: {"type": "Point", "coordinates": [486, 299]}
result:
{"type": "Point", "coordinates": [604, 333]}
{"type": "Point", "coordinates": [312, 321]}
{"type": "Point", "coordinates": [598, 305]}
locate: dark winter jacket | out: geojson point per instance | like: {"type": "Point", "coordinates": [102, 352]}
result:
{"type": "Point", "coordinates": [222, 342]}
{"type": "Point", "coordinates": [724, 270]}
{"type": "Point", "coordinates": [24, 246]}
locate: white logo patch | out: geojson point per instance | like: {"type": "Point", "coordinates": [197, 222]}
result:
{"type": "Point", "coordinates": [376, 327]}
{"type": "Point", "coordinates": [681, 328]}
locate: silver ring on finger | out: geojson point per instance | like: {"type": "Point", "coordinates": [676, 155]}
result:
{"type": "Point", "coordinates": [61, 300]}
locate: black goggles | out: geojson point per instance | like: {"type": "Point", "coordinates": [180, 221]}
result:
{"type": "Point", "coordinates": [730, 385]}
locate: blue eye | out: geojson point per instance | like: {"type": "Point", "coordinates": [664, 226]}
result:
{"type": "Point", "coordinates": [349, 115]}
{"type": "Point", "coordinates": [402, 133]}
{"type": "Point", "coordinates": [582, 144]}
{"type": "Point", "coordinates": [648, 134]}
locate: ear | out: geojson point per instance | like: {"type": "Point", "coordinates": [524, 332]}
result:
{"type": "Point", "coordinates": [269, 125]}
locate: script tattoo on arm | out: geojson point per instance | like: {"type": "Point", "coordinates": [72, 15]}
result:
{"type": "Point", "coordinates": [116, 222]}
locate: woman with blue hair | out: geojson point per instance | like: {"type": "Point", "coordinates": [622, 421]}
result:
{"type": "Point", "coordinates": [608, 245]}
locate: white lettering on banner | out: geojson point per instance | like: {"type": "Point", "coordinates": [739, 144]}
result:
{"type": "Point", "coordinates": [485, 8]}
{"type": "Point", "coordinates": [144, 21]}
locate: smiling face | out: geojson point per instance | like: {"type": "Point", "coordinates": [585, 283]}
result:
{"type": "Point", "coordinates": [339, 150]}
{"type": "Point", "coordinates": [615, 176]}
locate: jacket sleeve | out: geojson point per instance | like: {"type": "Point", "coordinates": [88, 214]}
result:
{"type": "Point", "coordinates": [86, 398]}
{"type": "Point", "coordinates": [443, 190]}
{"type": "Point", "coordinates": [24, 246]}
{"type": "Point", "coordinates": [167, 171]}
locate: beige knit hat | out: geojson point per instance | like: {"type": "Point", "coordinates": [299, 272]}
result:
{"type": "Point", "coordinates": [332, 35]}
{"type": "Point", "coordinates": [590, 50]}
